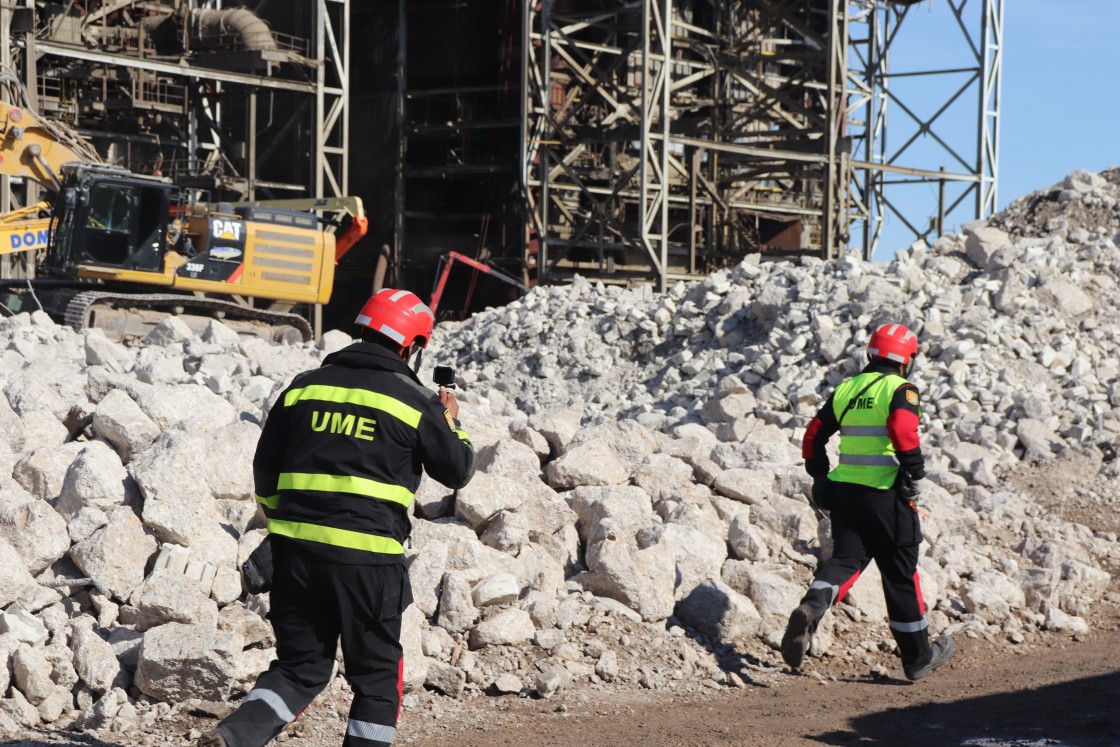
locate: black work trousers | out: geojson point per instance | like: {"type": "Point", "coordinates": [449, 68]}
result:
{"type": "Point", "coordinates": [870, 524]}
{"type": "Point", "coordinates": [313, 605]}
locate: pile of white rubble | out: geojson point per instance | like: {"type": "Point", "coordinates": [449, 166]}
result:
{"type": "Point", "coordinates": [639, 517]}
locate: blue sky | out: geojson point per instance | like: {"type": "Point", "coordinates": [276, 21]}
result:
{"type": "Point", "coordinates": [1061, 96]}
{"type": "Point", "coordinates": [1060, 106]}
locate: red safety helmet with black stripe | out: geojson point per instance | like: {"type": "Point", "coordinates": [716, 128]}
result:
{"type": "Point", "coordinates": [896, 343]}
{"type": "Point", "coordinates": [400, 315]}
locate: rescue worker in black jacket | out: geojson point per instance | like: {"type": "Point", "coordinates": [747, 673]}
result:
{"type": "Point", "coordinates": [338, 461]}
{"type": "Point", "coordinates": [871, 497]}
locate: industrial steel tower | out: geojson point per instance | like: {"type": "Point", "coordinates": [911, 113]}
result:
{"type": "Point", "coordinates": [664, 138]}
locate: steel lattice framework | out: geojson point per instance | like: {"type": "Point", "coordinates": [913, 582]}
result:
{"type": "Point", "coordinates": [662, 138]}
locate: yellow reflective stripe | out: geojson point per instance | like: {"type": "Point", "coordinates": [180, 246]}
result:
{"type": "Point", "coordinates": [345, 484]}
{"type": "Point", "coordinates": [462, 435]}
{"type": "Point", "coordinates": [361, 397]}
{"type": "Point", "coordinates": [272, 501]}
{"type": "Point", "coordinates": [336, 537]}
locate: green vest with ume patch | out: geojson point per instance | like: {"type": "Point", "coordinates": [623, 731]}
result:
{"type": "Point", "coordinates": [866, 453]}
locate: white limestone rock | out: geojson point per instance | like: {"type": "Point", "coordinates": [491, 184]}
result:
{"type": "Point", "coordinates": [32, 527]}
{"type": "Point", "coordinates": [542, 517]}
{"type": "Point", "coordinates": [444, 678]}
{"type": "Point", "coordinates": [770, 589]}
{"type": "Point", "coordinates": [716, 610]}
{"type": "Point", "coordinates": [188, 407]}
{"type": "Point", "coordinates": [169, 331]}
{"type": "Point", "coordinates": [992, 596]}
{"type": "Point", "coordinates": [509, 458]}
{"type": "Point", "coordinates": [95, 479]}
{"type": "Point", "coordinates": [664, 477]}
{"type": "Point", "coordinates": [590, 463]}
{"type": "Point", "coordinates": [42, 470]}
{"type": "Point", "coordinates": [32, 674]}
{"type": "Point", "coordinates": [121, 422]}
{"type": "Point", "coordinates": [498, 589]}
{"type": "Point", "coordinates": [749, 486]}
{"type": "Point", "coordinates": [166, 596]}
{"type": "Point", "coordinates": [695, 555]}
{"type": "Point", "coordinates": [558, 425]}
{"type": "Point", "coordinates": [415, 662]}
{"type": "Point", "coordinates": [457, 612]}
{"type": "Point", "coordinates": [982, 244]}
{"type": "Point", "coordinates": [1065, 297]}
{"type": "Point", "coordinates": [94, 659]}
{"type": "Point", "coordinates": [101, 351]}
{"type": "Point", "coordinates": [485, 496]}
{"type": "Point", "coordinates": [629, 508]}
{"type": "Point", "coordinates": [115, 555]}
{"type": "Point", "coordinates": [222, 335]}
{"type": "Point", "coordinates": [746, 541]}
{"type": "Point", "coordinates": [254, 630]}
{"type": "Point", "coordinates": [23, 626]}
{"type": "Point", "coordinates": [180, 661]}
{"type": "Point", "coordinates": [642, 579]}
{"type": "Point", "coordinates": [179, 506]}
{"type": "Point", "coordinates": [426, 567]}
{"type": "Point", "coordinates": [16, 709]}
{"type": "Point", "coordinates": [509, 627]}
{"type": "Point", "coordinates": [14, 577]}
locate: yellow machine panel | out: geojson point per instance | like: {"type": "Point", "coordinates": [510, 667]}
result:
{"type": "Point", "coordinates": [293, 262]}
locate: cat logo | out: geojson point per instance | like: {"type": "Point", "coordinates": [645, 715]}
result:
{"type": "Point", "coordinates": [223, 228]}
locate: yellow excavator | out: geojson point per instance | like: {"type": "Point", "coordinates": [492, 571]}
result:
{"type": "Point", "coordinates": [120, 250]}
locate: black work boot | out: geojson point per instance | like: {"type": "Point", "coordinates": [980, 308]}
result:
{"type": "Point", "coordinates": [211, 739]}
{"type": "Point", "coordinates": [939, 653]}
{"type": "Point", "coordinates": [803, 622]}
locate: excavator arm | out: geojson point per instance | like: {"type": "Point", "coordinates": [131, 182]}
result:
{"type": "Point", "coordinates": [34, 148]}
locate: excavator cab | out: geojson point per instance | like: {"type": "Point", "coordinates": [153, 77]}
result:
{"type": "Point", "coordinates": [106, 217]}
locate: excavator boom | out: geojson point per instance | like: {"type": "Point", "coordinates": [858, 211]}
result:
{"type": "Point", "coordinates": [36, 148]}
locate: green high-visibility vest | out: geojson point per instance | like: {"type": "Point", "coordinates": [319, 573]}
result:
{"type": "Point", "coordinates": [867, 455]}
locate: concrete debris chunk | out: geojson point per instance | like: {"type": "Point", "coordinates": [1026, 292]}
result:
{"type": "Point", "coordinates": [94, 659]}
{"type": "Point", "coordinates": [121, 422]}
{"type": "Point", "coordinates": [115, 555]}
{"type": "Point", "coordinates": [33, 528]}
{"type": "Point", "coordinates": [95, 479]}
{"type": "Point", "coordinates": [14, 577]}
{"type": "Point", "coordinates": [718, 611]}
{"type": "Point", "coordinates": [179, 661]}
{"type": "Point", "coordinates": [509, 627]}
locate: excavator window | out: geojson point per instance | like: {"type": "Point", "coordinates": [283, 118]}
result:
{"type": "Point", "coordinates": [109, 223]}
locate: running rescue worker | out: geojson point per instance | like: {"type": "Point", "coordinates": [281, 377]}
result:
{"type": "Point", "coordinates": [338, 462]}
{"type": "Point", "coordinates": [871, 496]}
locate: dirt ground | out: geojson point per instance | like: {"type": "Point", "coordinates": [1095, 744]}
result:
{"type": "Point", "coordinates": [1061, 693]}
{"type": "Point", "coordinates": [1064, 694]}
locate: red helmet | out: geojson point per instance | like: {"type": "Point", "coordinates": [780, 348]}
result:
{"type": "Point", "coordinates": [400, 315]}
{"type": "Point", "coordinates": [895, 343]}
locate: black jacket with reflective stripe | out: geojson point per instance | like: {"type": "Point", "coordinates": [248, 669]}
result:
{"type": "Point", "coordinates": [342, 452]}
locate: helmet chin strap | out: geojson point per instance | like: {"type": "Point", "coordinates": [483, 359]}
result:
{"type": "Point", "coordinates": [418, 358]}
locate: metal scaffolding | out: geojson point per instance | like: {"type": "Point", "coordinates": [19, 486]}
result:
{"type": "Point", "coordinates": [664, 138]}
{"type": "Point", "coordinates": [217, 98]}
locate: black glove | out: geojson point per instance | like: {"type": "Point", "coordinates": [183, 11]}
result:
{"type": "Point", "coordinates": [256, 571]}
{"type": "Point", "coordinates": [908, 489]}
{"type": "Point", "coordinates": [819, 495]}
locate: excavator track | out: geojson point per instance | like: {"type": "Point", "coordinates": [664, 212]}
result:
{"type": "Point", "coordinates": [132, 315]}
